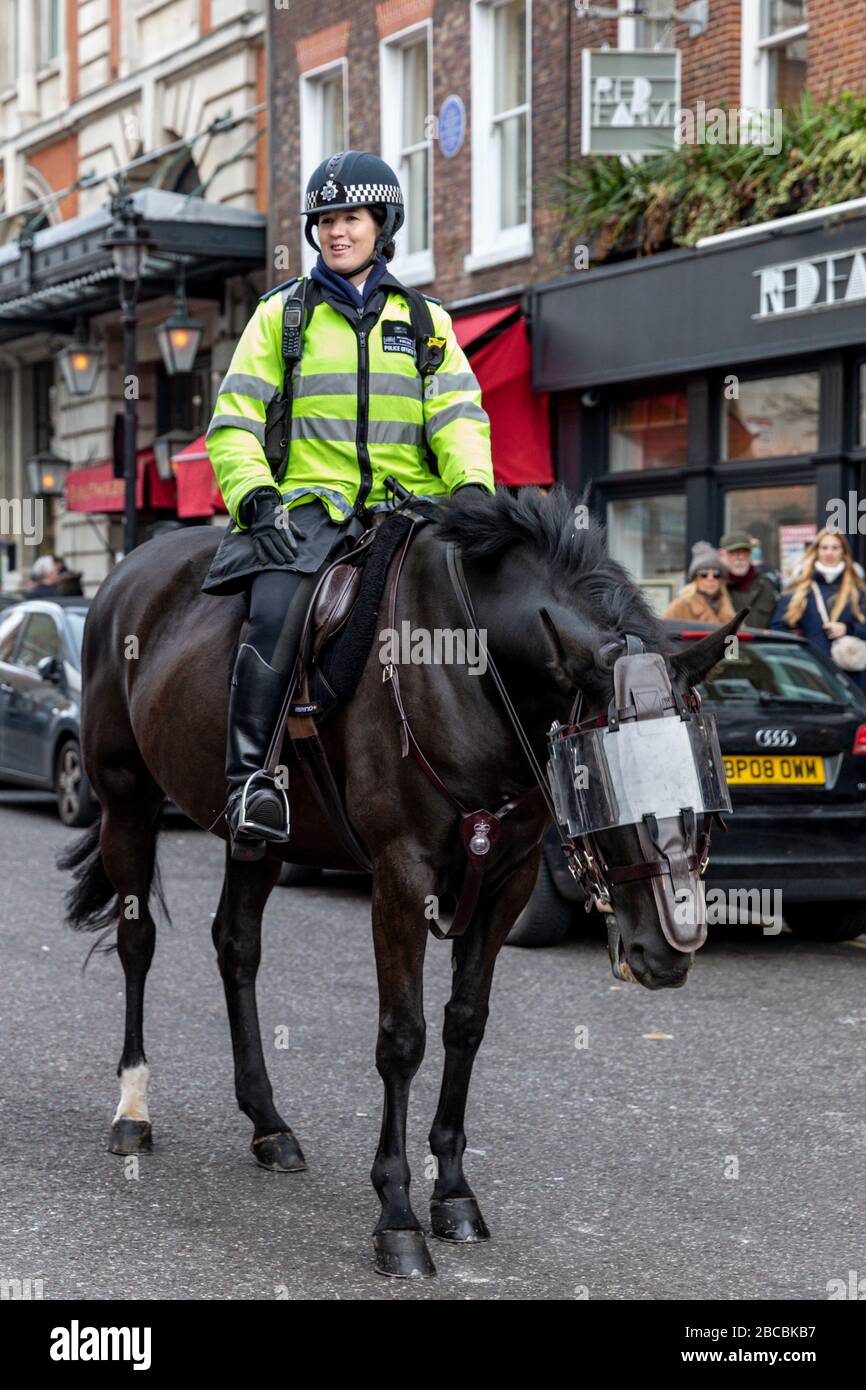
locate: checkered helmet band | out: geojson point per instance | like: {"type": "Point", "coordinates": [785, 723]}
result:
{"type": "Point", "coordinates": [334, 194]}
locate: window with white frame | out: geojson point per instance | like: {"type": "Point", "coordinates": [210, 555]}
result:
{"type": "Point", "coordinates": [501, 132]}
{"type": "Point", "coordinates": [49, 31]}
{"type": "Point", "coordinates": [649, 30]}
{"type": "Point", "coordinates": [405, 85]}
{"type": "Point", "coordinates": [774, 52]}
{"type": "Point", "coordinates": [323, 107]}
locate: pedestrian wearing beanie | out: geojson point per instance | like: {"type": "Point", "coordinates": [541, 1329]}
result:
{"type": "Point", "coordinates": [705, 598]}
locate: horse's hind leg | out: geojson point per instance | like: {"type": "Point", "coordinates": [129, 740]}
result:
{"type": "Point", "coordinates": [128, 845]}
{"type": "Point", "coordinates": [454, 1211]}
{"type": "Point", "coordinates": [237, 934]}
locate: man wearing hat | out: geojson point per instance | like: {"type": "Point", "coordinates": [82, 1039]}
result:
{"type": "Point", "coordinates": [746, 587]}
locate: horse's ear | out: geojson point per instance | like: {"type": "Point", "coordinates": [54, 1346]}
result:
{"type": "Point", "coordinates": [697, 660]}
{"type": "Point", "coordinates": [570, 657]}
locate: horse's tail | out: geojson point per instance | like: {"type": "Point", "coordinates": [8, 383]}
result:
{"type": "Point", "coordinates": [91, 902]}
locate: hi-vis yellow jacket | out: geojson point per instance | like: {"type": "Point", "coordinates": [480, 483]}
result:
{"type": "Point", "coordinates": [360, 411]}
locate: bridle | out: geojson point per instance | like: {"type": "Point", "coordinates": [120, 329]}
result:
{"type": "Point", "coordinates": [480, 829]}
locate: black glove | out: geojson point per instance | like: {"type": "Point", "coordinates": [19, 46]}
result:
{"type": "Point", "coordinates": [272, 530]}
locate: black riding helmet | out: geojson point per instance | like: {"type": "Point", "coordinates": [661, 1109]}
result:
{"type": "Point", "coordinates": [353, 179]}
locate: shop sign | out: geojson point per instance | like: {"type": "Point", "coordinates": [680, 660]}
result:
{"type": "Point", "coordinates": [793, 541]}
{"type": "Point", "coordinates": [817, 282]}
{"type": "Point", "coordinates": [630, 100]}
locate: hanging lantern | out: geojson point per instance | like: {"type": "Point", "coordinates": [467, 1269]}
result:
{"type": "Point", "coordinates": [79, 362]}
{"type": "Point", "coordinates": [46, 472]}
{"type": "Point", "coordinates": [179, 337]}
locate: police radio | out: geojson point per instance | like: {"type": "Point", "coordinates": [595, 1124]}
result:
{"type": "Point", "coordinates": [293, 313]}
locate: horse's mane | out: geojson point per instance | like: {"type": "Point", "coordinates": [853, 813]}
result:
{"type": "Point", "coordinates": [485, 526]}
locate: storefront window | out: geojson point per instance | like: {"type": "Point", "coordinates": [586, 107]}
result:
{"type": "Point", "coordinates": [648, 536]}
{"type": "Point", "coordinates": [780, 520]}
{"type": "Point", "coordinates": [772, 418]}
{"type": "Point", "coordinates": [649, 432]}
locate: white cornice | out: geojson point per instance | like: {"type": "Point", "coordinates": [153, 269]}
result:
{"type": "Point", "coordinates": [217, 43]}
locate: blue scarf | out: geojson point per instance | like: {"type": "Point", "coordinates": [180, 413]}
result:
{"type": "Point", "coordinates": [343, 288]}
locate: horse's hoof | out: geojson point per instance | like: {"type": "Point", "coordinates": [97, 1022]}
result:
{"type": "Point", "coordinates": [130, 1137]}
{"type": "Point", "coordinates": [458, 1219]}
{"type": "Point", "coordinates": [279, 1153]}
{"type": "Point", "coordinates": [402, 1255]}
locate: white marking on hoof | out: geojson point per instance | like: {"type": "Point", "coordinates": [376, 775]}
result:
{"type": "Point", "coordinates": [133, 1094]}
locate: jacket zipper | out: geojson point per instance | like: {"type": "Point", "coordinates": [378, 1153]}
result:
{"type": "Point", "coordinates": [363, 425]}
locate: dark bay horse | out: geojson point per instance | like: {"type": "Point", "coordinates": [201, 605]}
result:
{"type": "Point", "coordinates": [156, 660]}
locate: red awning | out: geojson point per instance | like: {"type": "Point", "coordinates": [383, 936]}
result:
{"type": "Point", "coordinates": [471, 327]}
{"type": "Point", "coordinates": [198, 492]}
{"type": "Point", "coordinates": [96, 489]}
{"type": "Point", "coordinates": [519, 419]}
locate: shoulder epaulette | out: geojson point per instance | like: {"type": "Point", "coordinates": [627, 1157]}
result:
{"type": "Point", "coordinates": [433, 299]}
{"type": "Point", "coordinates": [277, 288]}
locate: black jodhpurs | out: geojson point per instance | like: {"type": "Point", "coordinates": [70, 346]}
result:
{"type": "Point", "coordinates": [278, 604]}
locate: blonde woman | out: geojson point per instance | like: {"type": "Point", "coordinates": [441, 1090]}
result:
{"type": "Point", "coordinates": [828, 567]}
{"type": "Point", "coordinates": [705, 598]}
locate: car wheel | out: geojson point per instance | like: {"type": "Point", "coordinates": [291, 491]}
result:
{"type": "Point", "coordinates": [545, 918]}
{"type": "Point", "coordinates": [76, 803]}
{"type": "Point", "coordinates": [299, 875]}
{"type": "Point", "coordinates": [826, 921]}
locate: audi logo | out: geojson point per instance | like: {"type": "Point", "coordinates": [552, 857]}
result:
{"type": "Point", "coordinates": [775, 738]}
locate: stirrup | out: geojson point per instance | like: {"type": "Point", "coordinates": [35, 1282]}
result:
{"type": "Point", "coordinates": [252, 829]}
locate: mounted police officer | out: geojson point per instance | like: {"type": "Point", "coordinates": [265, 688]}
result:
{"type": "Point", "coordinates": [338, 381]}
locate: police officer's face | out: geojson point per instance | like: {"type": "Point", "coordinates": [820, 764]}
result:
{"type": "Point", "coordinates": [347, 238]}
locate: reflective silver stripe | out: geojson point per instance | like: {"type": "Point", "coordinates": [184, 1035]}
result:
{"type": "Point", "coordinates": [464, 410]}
{"type": "Point", "coordinates": [330, 431]}
{"type": "Point", "coordinates": [392, 384]}
{"type": "Point", "coordinates": [346, 384]}
{"type": "Point", "coordinates": [237, 422]}
{"type": "Point", "coordinates": [242, 384]}
{"type": "Point", "coordinates": [337, 498]}
{"type": "Point", "coordinates": [454, 381]}
{"type": "Point", "coordinates": [395, 432]}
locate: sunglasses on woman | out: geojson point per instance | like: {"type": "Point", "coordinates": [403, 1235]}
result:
{"type": "Point", "coordinates": [709, 574]}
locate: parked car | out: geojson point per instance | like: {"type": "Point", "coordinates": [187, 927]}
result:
{"type": "Point", "coordinates": [792, 728]}
{"type": "Point", "coordinates": [40, 696]}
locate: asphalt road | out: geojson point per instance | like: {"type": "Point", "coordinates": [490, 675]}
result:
{"type": "Point", "coordinates": [601, 1170]}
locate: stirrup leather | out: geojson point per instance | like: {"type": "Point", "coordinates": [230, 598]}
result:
{"type": "Point", "coordinates": [250, 827]}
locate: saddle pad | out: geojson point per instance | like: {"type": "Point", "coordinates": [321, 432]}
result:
{"type": "Point", "coordinates": [338, 670]}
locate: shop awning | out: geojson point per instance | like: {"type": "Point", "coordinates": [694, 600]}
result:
{"type": "Point", "coordinates": [95, 489]}
{"type": "Point", "coordinates": [497, 345]}
{"type": "Point", "coordinates": [198, 492]}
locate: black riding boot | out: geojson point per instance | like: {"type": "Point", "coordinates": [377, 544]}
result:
{"type": "Point", "coordinates": [258, 810]}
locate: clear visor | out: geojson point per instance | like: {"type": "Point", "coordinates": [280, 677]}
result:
{"type": "Point", "coordinates": [601, 779]}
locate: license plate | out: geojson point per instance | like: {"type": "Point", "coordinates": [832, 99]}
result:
{"type": "Point", "coordinates": [755, 769]}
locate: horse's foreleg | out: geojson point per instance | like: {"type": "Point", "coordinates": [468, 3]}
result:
{"type": "Point", "coordinates": [127, 845]}
{"type": "Point", "coordinates": [399, 938]}
{"type": "Point", "coordinates": [454, 1212]}
{"type": "Point", "coordinates": [237, 934]}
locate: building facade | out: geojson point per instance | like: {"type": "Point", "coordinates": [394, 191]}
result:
{"type": "Point", "coordinates": [171, 93]}
{"type": "Point", "coordinates": [481, 105]}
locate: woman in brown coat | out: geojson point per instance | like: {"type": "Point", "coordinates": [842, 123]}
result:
{"type": "Point", "coordinates": [705, 598]}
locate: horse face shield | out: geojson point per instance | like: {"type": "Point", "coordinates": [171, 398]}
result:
{"type": "Point", "coordinates": [653, 762]}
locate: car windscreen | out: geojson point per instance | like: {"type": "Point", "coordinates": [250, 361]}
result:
{"type": "Point", "coordinates": [776, 672]}
{"type": "Point", "coordinates": [75, 621]}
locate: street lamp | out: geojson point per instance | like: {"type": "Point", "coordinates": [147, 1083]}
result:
{"type": "Point", "coordinates": [46, 472]}
{"type": "Point", "coordinates": [165, 446]}
{"type": "Point", "coordinates": [179, 336]}
{"type": "Point", "coordinates": [129, 242]}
